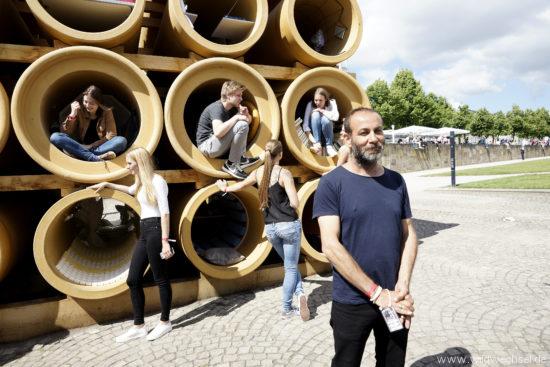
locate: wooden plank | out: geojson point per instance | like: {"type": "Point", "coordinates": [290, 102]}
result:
{"type": "Point", "coordinates": [28, 54]}
{"type": "Point", "coordinates": [53, 182]}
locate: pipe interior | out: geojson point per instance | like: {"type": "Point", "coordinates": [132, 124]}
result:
{"type": "Point", "coordinates": [237, 19]}
{"type": "Point", "coordinates": [88, 15]}
{"type": "Point", "coordinates": [220, 222]}
{"type": "Point", "coordinates": [332, 17]}
{"type": "Point", "coordinates": [310, 227]}
{"type": "Point", "coordinates": [92, 241]}
{"type": "Point", "coordinates": [200, 98]}
{"type": "Point", "coordinates": [57, 100]}
{"type": "Point", "coordinates": [342, 101]}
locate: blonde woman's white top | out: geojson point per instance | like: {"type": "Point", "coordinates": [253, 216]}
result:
{"type": "Point", "coordinates": [149, 210]}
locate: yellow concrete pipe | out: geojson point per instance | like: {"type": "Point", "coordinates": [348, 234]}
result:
{"type": "Point", "coordinates": [235, 219]}
{"type": "Point", "coordinates": [293, 23]}
{"type": "Point", "coordinates": [94, 23]}
{"type": "Point", "coordinates": [199, 85]}
{"type": "Point", "coordinates": [73, 267]}
{"type": "Point", "coordinates": [201, 27]}
{"type": "Point", "coordinates": [4, 117]}
{"type": "Point", "coordinates": [342, 87]}
{"type": "Point", "coordinates": [54, 80]}
{"type": "Point", "coordinates": [311, 238]}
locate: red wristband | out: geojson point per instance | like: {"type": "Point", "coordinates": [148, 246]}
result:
{"type": "Point", "coordinates": [165, 238]}
{"type": "Point", "coordinates": [372, 289]}
{"type": "Point", "coordinates": [71, 118]}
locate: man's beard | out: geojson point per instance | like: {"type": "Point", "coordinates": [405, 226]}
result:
{"type": "Point", "coordinates": [364, 158]}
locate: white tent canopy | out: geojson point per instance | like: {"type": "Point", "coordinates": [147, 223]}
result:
{"type": "Point", "coordinates": [445, 131]}
{"type": "Point", "coordinates": [413, 130]}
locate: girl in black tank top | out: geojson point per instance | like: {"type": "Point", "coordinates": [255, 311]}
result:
{"type": "Point", "coordinates": [278, 201]}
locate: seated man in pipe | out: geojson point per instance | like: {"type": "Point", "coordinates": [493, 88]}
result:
{"type": "Point", "coordinates": [223, 126]}
{"type": "Point", "coordinates": [89, 132]}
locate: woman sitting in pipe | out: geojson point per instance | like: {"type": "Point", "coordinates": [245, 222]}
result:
{"type": "Point", "coordinates": [152, 247]}
{"type": "Point", "coordinates": [89, 131]}
{"type": "Point", "coordinates": [318, 118]}
{"type": "Point", "coordinates": [278, 201]}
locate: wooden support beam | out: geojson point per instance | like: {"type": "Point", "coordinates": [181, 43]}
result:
{"type": "Point", "coordinates": [28, 54]}
{"type": "Point", "coordinates": [53, 182]}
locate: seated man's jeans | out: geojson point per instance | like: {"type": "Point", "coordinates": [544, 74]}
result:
{"type": "Point", "coordinates": [65, 142]}
{"type": "Point", "coordinates": [321, 126]}
{"type": "Point", "coordinates": [234, 141]}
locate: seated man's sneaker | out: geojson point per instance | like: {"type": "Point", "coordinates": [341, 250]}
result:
{"type": "Point", "coordinates": [331, 152]}
{"type": "Point", "coordinates": [159, 330]}
{"type": "Point", "coordinates": [234, 170]}
{"type": "Point", "coordinates": [132, 333]}
{"type": "Point", "coordinates": [247, 162]}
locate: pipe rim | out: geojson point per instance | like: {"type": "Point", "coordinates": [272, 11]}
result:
{"type": "Point", "coordinates": [195, 76]}
{"type": "Point", "coordinates": [4, 117]}
{"type": "Point", "coordinates": [321, 76]}
{"type": "Point", "coordinates": [49, 273]}
{"type": "Point", "coordinates": [307, 55]}
{"type": "Point", "coordinates": [240, 269]}
{"type": "Point", "coordinates": [54, 160]}
{"type": "Point", "coordinates": [207, 48]}
{"type": "Point", "coordinates": [110, 38]}
{"type": "Point", "coordinates": [304, 194]}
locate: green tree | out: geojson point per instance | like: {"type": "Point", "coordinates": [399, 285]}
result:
{"type": "Point", "coordinates": [378, 93]}
{"type": "Point", "coordinates": [482, 123]}
{"type": "Point", "coordinates": [403, 91]}
{"type": "Point", "coordinates": [516, 119]}
{"type": "Point", "coordinates": [501, 126]}
{"type": "Point", "coordinates": [463, 118]}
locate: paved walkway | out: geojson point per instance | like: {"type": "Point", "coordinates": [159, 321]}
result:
{"type": "Point", "coordinates": [481, 284]}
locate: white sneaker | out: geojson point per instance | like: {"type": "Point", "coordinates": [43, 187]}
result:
{"type": "Point", "coordinates": [302, 307]}
{"type": "Point", "coordinates": [331, 152]}
{"type": "Point", "coordinates": [132, 333]}
{"type": "Point", "coordinates": [159, 330]}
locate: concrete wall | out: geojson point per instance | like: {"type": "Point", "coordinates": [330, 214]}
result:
{"type": "Point", "coordinates": [405, 158]}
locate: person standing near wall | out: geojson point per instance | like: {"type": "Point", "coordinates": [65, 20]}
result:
{"type": "Point", "coordinates": [278, 201]}
{"type": "Point", "coordinates": [367, 234]}
{"type": "Point", "coordinates": [152, 247]}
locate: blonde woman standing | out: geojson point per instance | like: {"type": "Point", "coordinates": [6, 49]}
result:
{"type": "Point", "coordinates": [278, 201]}
{"type": "Point", "coordinates": [152, 247]}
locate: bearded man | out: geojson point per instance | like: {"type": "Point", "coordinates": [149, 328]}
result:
{"type": "Point", "coordinates": [367, 234]}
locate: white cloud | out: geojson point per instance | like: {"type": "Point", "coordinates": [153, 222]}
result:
{"type": "Point", "coordinates": [457, 48]}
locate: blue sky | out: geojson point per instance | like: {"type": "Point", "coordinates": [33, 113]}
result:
{"type": "Point", "coordinates": [484, 53]}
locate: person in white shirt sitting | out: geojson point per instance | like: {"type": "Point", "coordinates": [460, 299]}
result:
{"type": "Point", "coordinates": [318, 122]}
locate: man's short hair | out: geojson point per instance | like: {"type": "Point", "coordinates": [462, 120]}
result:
{"type": "Point", "coordinates": [347, 120]}
{"type": "Point", "coordinates": [230, 87]}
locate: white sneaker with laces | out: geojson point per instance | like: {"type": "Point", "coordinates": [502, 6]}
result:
{"type": "Point", "coordinates": [132, 333]}
{"type": "Point", "coordinates": [331, 151]}
{"type": "Point", "coordinates": [159, 330]}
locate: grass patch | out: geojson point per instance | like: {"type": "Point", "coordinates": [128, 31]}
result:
{"type": "Point", "coordinates": [540, 181]}
{"type": "Point", "coordinates": [538, 166]}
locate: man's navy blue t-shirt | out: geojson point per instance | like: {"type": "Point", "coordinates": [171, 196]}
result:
{"type": "Point", "coordinates": [370, 211]}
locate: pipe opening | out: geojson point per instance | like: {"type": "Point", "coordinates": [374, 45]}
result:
{"type": "Point", "coordinates": [324, 25]}
{"type": "Point", "coordinates": [91, 242]}
{"type": "Point", "coordinates": [310, 226]}
{"type": "Point", "coordinates": [226, 22]}
{"type": "Point", "coordinates": [60, 95]}
{"type": "Point", "coordinates": [344, 107]}
{"type": "Point", "coordinates": [207, 93]}
{"type": "Point", "coordinates": [218, 229]}
{"type": "Point", "coordinates": [89, 16]}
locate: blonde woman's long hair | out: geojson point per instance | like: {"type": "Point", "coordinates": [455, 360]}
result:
{"type": "Point", "coordinates": [145, 173]}
{"type": "Point", "coordinates": [272, 149]}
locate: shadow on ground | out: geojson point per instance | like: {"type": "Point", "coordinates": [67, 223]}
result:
{"type": "Point", "coordinates": [427, 228]}
{"type": "Point", "coordinates": [13, 351]}
{"type": "Point", "coordinates": [451, 357]}
{"type": "Point", "coordinates": [218, 307]}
